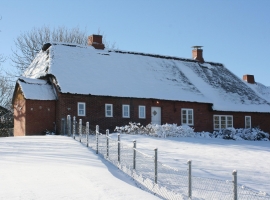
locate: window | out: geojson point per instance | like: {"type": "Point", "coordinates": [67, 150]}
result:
{"type": "Point", "coordinates": [247, 121]}
{"type": "Point", "coordinates": [108, 110]}
{"type": "Point", "coordinates": [81, 109]}
{"type": "Point", "coordinates": [142, 112]}
{"type": "Point", "coordinates": [223, 121]}
{"type": "Point", "coordinates": [187, 116]}
{"type": "Point", "coordinates": [125, 111]}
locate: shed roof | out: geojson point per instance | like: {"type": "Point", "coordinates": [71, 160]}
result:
{"type": "Point", "coordinates": [36, 89]}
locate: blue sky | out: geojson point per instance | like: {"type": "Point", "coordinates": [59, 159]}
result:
{"type": "Point", "coordinates": [235, 33]}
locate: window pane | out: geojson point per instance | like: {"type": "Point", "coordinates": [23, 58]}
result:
{"type": "Point", "coordinates": [229, 125]}
{"type": "Point", "coordinates": [248, 122]}
{"type": "Point", "coordinates": [141, 112]}
{"type": "Point", "coordinates": [223, 122]}
{"type": "Point", "coordinates": [125, 111]}
{"type": "Point", "coordinates": [184, 119]}
{"type": "Point", "coordinates": [81, 109]}
{"type": "Point", "coordinates": [187, 116]}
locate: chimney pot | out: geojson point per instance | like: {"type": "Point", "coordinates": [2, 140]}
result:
{"type": "Point", "coordinates": [197, 53]}
{"type": "Point", "coordinates": [249, 78]}
{"type": "Point", "coordinates": [96, 41]}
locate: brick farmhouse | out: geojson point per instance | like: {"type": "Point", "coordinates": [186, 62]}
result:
{"type": "Point", "coordinates": [111, 88]}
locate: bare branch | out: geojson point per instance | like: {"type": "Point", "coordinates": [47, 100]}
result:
{"type": "Point", "coordinates": [28, 44]}
{"type": "Point", "coordinates": [6, 89]}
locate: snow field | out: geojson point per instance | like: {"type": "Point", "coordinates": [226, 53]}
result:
{"type": "Point", "coordinates": [212, 158]}
{"type": "Point", "coordinates": [57, 167]}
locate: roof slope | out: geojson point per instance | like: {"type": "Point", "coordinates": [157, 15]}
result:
{"type": "Point", "coordinates": [85, 70]}
{"type": "Point", "coordinates": [261, 90]}
{"type": "Point", "coordinates": [36, 89]}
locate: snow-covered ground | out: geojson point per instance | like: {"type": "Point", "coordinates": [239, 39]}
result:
{"type": "Point", "coordinates": [57, 167]}
{"type": "Point", "coordinates": [212, 158]}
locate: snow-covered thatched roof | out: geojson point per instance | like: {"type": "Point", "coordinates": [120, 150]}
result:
{"type": "Point", "coordinates": [36, 89]}
{"type": "Point", "coordinates": [85, 70]}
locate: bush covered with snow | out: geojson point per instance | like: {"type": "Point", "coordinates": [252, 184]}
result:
{"type": "Point", "coordinates": [172, 130]}
{"type": "Point", "coordinates": [241, 134]}
{"type": "Point", "coordinates": [157, 130]}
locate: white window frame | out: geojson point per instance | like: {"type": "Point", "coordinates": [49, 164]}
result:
{"type": "Point", "coordinates": [123, 111]}
{"type": "Point", "coordinates": [246, 120]}
{"type": "Point", "coordinates": [106, 110]}
{"type": "Point", "coordinates": [84, 109]}
{"type": "Point", "coordinates": [226, 124]}
{"type": "Point", "coordinates": [184, 117]}
{"type": "Point", "coordinates": [140, 114]}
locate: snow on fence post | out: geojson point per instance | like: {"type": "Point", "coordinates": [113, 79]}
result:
{"type": "Point", "coordinates": [234, 173]}
{"type": "Point", "coordinates": [63, 126]}
{"type": "Point", "coordinates": [156, 167]}
{"type": "Point", "coordinates": [74, 127]}
{"type": "Point", "coordinates": [69, 125]}
{"type": "Point", "coordinates": [189, 180]}
{"type": "Point", "coordinates": [118, 139]}
{"type": "Point", "coordinates": [87, 133]}
{"type": "Point", "coordinates": [134, 154]}
{"type": "Point", "coordinates": [80, 129]}
{"type": "Point", "coordinates": [97, 133]}
{"type": "Point", "coordinates": [107, 138]}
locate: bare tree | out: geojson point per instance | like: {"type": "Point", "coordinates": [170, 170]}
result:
{"type": "Point", "coordinates": [6, 115]}
{"type": "Point", "coordinates": [28, 44]}
{"type": "Point", "coordinates": [6, 89]}
{"type": "Point", "coordinates": [108, 44]}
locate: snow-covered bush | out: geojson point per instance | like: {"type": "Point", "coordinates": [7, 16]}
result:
{"type": "Point", "coordinates": [172, 130]}
{"type": "Point", "coordinates": [157, 130]}
{"type": "Point", "coordinates": [241, 134]}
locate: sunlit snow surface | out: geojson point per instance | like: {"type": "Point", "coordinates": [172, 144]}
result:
{"type": "Point", "coordinates": [85, 70]}
{"type": "Point", "coordinates": [36, 89]}
{"type": "Point", "coordinates": [212, 158]}
{"type": "Point", "coordinates": [56, 167]}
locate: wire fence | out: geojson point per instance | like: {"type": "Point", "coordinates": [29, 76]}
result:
{"type": "Point", "coordinates": [154, 176]}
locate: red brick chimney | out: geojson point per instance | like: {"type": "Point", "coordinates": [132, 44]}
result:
{"type": "Point", "coordinates": [95, 41]}
{"type": "Point", "coordinates": [249, 78]}
{"type": "Point", "coordinates": [197, 53]}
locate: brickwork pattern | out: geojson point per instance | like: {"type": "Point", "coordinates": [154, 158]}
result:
{"type": "Point", "coordinates": [170, 112]}
{"type": "Point", "coordinates": [40, 115]}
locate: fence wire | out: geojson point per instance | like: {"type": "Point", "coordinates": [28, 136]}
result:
{"type": "Point", "coordinates": [171, 183]}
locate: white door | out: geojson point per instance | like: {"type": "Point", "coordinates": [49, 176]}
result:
{"type": "Point", "coordinates": [156, 115]}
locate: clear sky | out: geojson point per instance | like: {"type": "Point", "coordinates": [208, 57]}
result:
{"type": "Point", "coordinates": [235, 33]}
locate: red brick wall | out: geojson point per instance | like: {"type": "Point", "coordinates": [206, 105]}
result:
{"type": "Point", "coordinates": [260, 120]}
{"type": "Point", "coordinates": [40, 115]}
{"type": "Point", "coordinates": [171, 112]}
